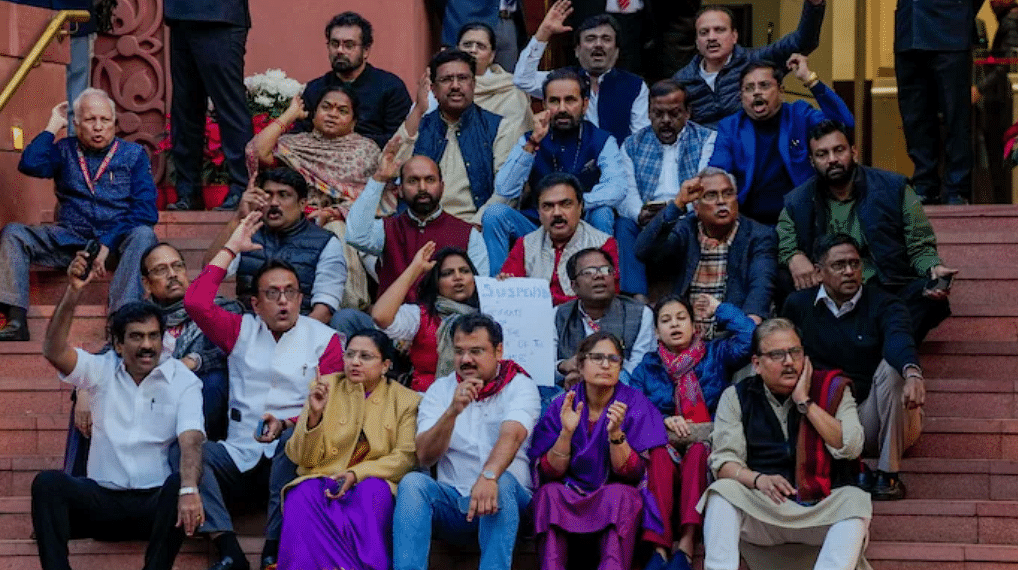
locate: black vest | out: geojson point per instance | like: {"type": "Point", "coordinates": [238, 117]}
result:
{"type": "Point", "coordinates": [300, 245]}
{"type": "Point", "coordinates": [878, 195]}
{"type": "Point", "coordinates": [767, 450]}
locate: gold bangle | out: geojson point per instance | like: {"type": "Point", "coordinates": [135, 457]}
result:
{"type": "Point", "coordinates": [812, 80]}
{"type": "Point", "coordinates": [559, 453]}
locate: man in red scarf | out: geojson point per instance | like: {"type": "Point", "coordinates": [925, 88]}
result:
{"type": "Point", "coordinates": [475, 425]}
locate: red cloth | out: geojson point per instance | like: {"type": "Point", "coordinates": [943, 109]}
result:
{"type": "Point", "coordinates": [516, 266]}
{"type": "Point", "coordinates": [223, 327]}
{"type": "Point", "coordinates": [404, 237]}
{"type": "Point", "coordinates": [424, 351]}
{"type": "Point", "coordinates": [507, 370]}
{"type": "Point", "coordinates": [813, 460]}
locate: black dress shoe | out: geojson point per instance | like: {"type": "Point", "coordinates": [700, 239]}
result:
{"type": "Point", "coordinates": [14, 331]}
{"type": "Point", "coordinates": [227, 563]}
{"type": "Point", "coordinates": [888, 487]}
{"type": "Point", "coordinates": [865, 479]}
{"type": "Point", "coordinates": [231, 203]}
{"type": "Point", "coordinates": [182, 204]}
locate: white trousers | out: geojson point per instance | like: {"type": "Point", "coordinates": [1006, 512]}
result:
{"type": "Point", "coordinates": [724, 526]}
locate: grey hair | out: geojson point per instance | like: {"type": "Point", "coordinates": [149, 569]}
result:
{"type": "Point", "coordinates": [715, 171]}
{"type": "Point", "coordinates": [93, 92]}
{"type": "Point", "coordinates": [769, 327]}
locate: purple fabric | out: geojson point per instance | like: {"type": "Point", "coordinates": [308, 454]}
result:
{"type": "Point", "coordinates": [353, 532]}
{"type": "Point", "coordinates": [590, 465]}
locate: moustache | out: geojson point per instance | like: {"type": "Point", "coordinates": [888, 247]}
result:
{"type": "Point", "coordinates": [145, 353]}
{"type": "Point", "coordinates": [274, 210]}
{"type": "Point", "coordinates": [174, 281]}
{"type": "Point", "coordinates": [558, 220]}
{"type": "Point", "coordinates": [713, 44]}
{"type": "Point", "coordinates": [465, 367]}
{"type": "Point", "coordinates": [598, 51]}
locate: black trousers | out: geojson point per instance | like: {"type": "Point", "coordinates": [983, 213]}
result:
{"type": "Point", "coordinates": [65, 507]}
{"type": "Point", "coordinates": [207, 61]}
{"type": "Point", "coordinates": [933, 84]}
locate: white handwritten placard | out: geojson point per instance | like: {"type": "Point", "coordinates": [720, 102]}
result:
{"type": "Point", "coordinates": [523, 307]}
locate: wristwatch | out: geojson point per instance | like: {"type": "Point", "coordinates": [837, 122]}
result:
{"type": "Point", "coordinates": [489, 474]}
{"type": "Point", "coordinates": [188, 491]}
{"type": "Point", "coordinates": [804, 405]}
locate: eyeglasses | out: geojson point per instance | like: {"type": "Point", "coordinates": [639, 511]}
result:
{"type": "Point", "coordinates": [164, 270]}
{"type": "Point", "coordinates": [599, 270]}
{"type": "Point", "coordinates": [470, 45]}
{"type": "Point", "coordinates": [795, 352]}
{"type": "Point", "coordinates": [715, 197]}
{"type": "Point", "coordinates": [362, 355]}
{"type": "Point", "coordinates": [447, 80]}
{"type": "Point", "coordinates": [762, 86]}
{"type": "Point", "coordinates": [347, 45]}
{"type": "Point", "coordinates": [841, 264]}
{"type": "Point", "coordinates": [599, 358]}
{"type": "Point", "coordinates": [273, 293]}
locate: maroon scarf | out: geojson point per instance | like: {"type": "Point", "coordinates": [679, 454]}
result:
{"type": "Point", "coordinates": [507, 370]}
{"type": "Point", "coordinates": [681, 369]}
{"type": "Point", "coordinates": [812, 459]}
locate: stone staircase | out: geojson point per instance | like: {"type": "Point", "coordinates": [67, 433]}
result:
{"type": "Point", "coordinates": [962, 477]}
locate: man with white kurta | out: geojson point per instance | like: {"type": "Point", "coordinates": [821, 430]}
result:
{"type": "Point", "coordinates": [786, 454]}
{"type": "Point", "coordinates": [272, 357]}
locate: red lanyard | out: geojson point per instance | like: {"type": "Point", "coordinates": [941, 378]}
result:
{"type": "Point", "coordinates": [102, 167]}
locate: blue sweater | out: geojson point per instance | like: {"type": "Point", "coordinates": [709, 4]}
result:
{"type": "Point", "coordinates": [723, 357]}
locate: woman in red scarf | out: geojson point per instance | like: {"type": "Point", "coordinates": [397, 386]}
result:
{"type": "Point", "coordinates": [684, 379]}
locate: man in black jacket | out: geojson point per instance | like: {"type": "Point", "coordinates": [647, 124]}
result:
{"type": "Point", "coordinates": [865, 332]}
{"type": "Point", "coordinates": [207, 45]}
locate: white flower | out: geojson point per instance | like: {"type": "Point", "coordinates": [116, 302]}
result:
{"type": "Point", "coordinates": [264, 101]}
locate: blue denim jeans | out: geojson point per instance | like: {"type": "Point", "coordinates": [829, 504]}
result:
{"type": "Point", "coordinates": [503, 224]}
{"type": "Point", "coordinates": [424, 505]}
{"type": "Point", "coordinates": [632, 273]}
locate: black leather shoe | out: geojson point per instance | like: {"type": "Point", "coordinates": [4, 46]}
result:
{"type": "Point", "coordinates": [227, 563]}
{"type": "Point", "coordinates": [930, 200]}
{"type": "Point", "coordinates": [888, 487]}
{"type": "Point", "coordinates": [14, 331]}
{"type": "Point", "coordinates": [268, 563]}
{"type": "Point", "coordinates": [182, 204]}
{"type": "Point", "coordinates": [865, 479]}
{"type": "Point", "coordinates": [231, 203]}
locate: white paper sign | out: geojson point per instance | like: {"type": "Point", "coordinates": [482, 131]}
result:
{"type": "Point", "coordinates": [523, 307]}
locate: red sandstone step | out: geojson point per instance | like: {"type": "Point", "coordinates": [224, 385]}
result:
{"type": "Point", "coordinates": [942, 556]}
{"type": "Point", "coordinates": [966, 438]}
{"type": "Point", "coordinates": [971, 399]}
{"type": "Point", "coordinates": [974, 522]}
{"type": "Point", "coordinates": [977, 479]}
{"type": "Point", "coordinates": [86, 554]}
{"type": "Point", "coordinates": [17, 472]}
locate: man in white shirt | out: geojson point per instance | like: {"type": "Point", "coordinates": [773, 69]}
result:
{"type": "Point", "coordinates": [618, 98]}
{"type": "Point", "coordinates": [141, 408]}
{"type": "Point", "coordinates": [475, 425]}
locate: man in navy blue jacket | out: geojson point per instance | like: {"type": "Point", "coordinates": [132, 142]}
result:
{"type": "Point", "coordinates": [766, 144]}
{"type": "Point", "coordinates": [933, 64]}
{"type": "Point", "coordinates": [105, 193]}
{"type": "Point", "coordinates": [207, 44]}
{"type": "Point", "coordinates": [712, 78]}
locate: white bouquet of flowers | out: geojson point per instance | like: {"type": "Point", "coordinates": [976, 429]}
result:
{"type": "Point", "coordinates": [270, 93]}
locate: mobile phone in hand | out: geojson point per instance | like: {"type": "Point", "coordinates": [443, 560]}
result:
{"type": "Point", "coordinates": [940, 283]}
{"type": "Point", "coordinates": [261, 429]}
{"type": "Point", "coordinates": [91, 251]}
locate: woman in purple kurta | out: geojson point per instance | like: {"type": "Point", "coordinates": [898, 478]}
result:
{"type": "Point", "coordinates": [590, 454]}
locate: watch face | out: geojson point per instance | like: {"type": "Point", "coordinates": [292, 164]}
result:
{"type": "Point", "coordinates": [488, 474]}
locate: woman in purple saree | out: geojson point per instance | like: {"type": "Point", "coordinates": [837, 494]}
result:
{"type": "Point", "coordinates": [590, 453]}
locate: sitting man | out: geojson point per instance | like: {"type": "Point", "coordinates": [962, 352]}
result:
{"type": "Point", "coordinates": [864, 331]}
{"type": "Point", "coordinates": [882, 211]}
{"type": "Point", "coordinates": [164, 276]}
{"type": "Point", "coordinates": [618, 98]}
{"type": "Point", "coordinates": [713, 77]}
{"type": "Point", "coordinates": [562, 141]}
{"type": "Point", "coordinates": [273, 356]}
{"type": "Point", "coordinates": [143, 408]}
{"type": "Point", "coordinates": [714, 249]}
{"type": "Point", "coordinates": [105, 193]}
{"type": "Point", "coordinates": [764, 144]}
{"type": "Point", "coordinates": [596, 308]}
{"type": "Point", "coordinates": [475, 425]}
{"type": "Point", "coordinates": [786, 447]}
{"type": "Point", "coordinates": [396, 239]}
{"type": "Point", "coordinates": [382, 99]}
{"type": "Point", "coordinates": [656, 160]}
{"type": "Point", "coordinates": [280, 195]}
{"type": "Point", "coordinates": [544, 252]}
{"type": "Point", "coordinates": [468, 143]}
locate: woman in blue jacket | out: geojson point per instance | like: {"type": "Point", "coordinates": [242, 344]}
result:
{"type": "Point", "coordinates": [684, 379]}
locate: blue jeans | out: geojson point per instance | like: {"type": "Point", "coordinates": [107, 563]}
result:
{"type": "Point", "coordinates": [632, 273]}
{"type": "Point", "coordinates": [424, 505]}
{"type": "Point", "coordinates": [503, 224]}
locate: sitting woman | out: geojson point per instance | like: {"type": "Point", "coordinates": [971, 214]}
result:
{"type": "Point", "coordinates": [494, 89]}
{"type": "Point", "coordinates": [590, 453]}
{"type": "Point", "coordinates": [334, 160]}
{"type": "Point", "coordinates": [446, 292]}
{"type": "Point", "coordinates": [353, 443]}
{"type": "Point", "coordinates": [684, 379]}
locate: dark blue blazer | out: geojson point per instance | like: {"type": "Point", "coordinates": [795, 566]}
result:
{"type": "Point", "coordinates": [935, 25]}
{"type": "Point", "coordinates": [234, 12]}
{"type": "Point", "coordinates": [735, 149]}
{"type": "Point", "coordinates": [670, 240]}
